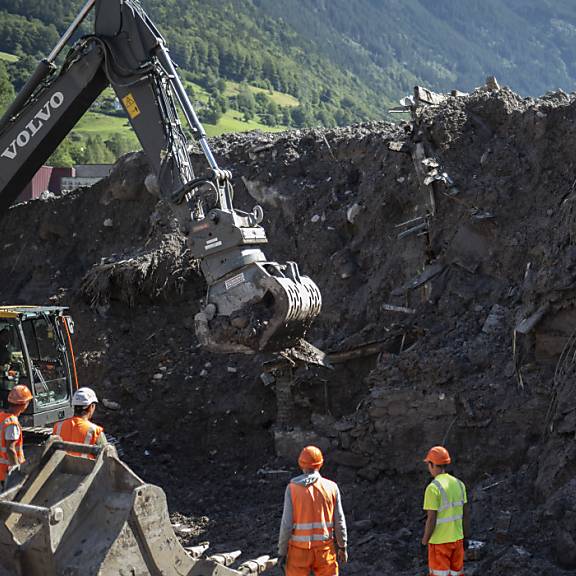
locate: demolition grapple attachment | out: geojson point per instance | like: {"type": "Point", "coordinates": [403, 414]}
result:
{"type": "Point", "coordinates": [252, 305]}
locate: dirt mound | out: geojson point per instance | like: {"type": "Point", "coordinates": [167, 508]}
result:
{"type": "Point", "coordinates": [443, 247]}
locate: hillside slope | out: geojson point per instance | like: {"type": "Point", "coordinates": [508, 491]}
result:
{"type": "Point", "coordinates": [347, 60]}
{"type": "Point", "coordinates": [391, 44]}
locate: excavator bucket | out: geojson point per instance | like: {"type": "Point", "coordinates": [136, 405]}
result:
{"type": "Point", "coordinates": [94, 517]}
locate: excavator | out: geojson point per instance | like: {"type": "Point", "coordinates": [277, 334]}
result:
{"type": "Point", "coordinates": [74, 515]}
{"type": "Point", "coordinates": [252, 305]}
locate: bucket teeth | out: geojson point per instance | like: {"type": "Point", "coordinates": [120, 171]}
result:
{"type": "Point", "coordinates": [226, 558]}
{"type": "Point", "coordinates": [197, 551]}
{"type": "Point", "coordinates": [257, 566]}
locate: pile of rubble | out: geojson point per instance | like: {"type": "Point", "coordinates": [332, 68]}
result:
{"type": "Point", "coordinates": [444, 249]}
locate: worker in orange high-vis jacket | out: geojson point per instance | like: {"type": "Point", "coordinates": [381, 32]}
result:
{"type": "Point", "coordinates": [80, 428]}
{"type": "Point", "coordinates": [11, 438]}
{"type": "Point", "coordinates": [447, 524]}
{"type": "Point", "coordinates": [313, 529]}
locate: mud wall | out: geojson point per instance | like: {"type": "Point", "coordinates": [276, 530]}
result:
{"type": "Point", "coordinates": [464, 285]}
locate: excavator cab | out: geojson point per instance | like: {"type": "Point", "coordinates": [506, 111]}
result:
{"type": "Point", "coordinates": [36, 350]}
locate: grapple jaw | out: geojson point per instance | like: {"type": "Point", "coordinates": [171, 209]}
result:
{"type": "Point", "coordinates": [263, 307]}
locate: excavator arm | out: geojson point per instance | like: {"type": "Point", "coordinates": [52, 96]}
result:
{"type": "Point", "coordinates": [252, 304]}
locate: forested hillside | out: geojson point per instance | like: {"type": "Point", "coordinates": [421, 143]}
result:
{"type": "Point", "coordinates": [336, 61]}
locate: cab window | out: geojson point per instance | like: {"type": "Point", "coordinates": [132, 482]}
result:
{"type": "Point", "coordinates": [13, 368]}
{"type": "Point", "coordinates": [47, 359]}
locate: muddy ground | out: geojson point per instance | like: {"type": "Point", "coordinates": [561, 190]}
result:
{"type": "Point", "coordinates": [444, 249]}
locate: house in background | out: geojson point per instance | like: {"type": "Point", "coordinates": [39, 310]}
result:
{"type": "Point", "coordinates": [47, 178]}
{"type": "Point", "coordinates": [86, 175]}
{"type": "Point", "coordinates": [56, 180]}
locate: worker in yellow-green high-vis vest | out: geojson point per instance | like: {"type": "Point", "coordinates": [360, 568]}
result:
{"type": "Point", "coordinates": [447, 523]}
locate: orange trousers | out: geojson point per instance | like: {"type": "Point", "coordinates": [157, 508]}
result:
{"type": "Point", "coordinates": [446, 559]}
{"type": "Point", "coordinates": [321, 561]}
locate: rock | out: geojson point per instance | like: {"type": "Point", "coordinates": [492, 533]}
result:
{"type": "Point", "coordinates": [110, 404]}
{"type": "Point", "coordinates": [231, 370]}
{"type": "Point", "coordinates": [404, 534]}
{"type": "Point", "coordinates": [49, 230]}
{"type": "Point", "coordinates": [346, 475]}
{"type": "Point", "coordinates": [370, 474]}
{"type": "Point", "coordinates": [353, 212]}
{"type": "Point", "coordinates": [289, 443]}
{"type": "Point", "coordinates": [344, 263]}
{"type": "Point", "coordinates": [158, 376]}
{"type": "Point", "coordinates": [565, 548]}
{"type": "Point", "coordinates": [108, 223]}
{"type": "Point", "coordinates": [502, 527]}
{"type": "Point", "coordinates": [345, 441]}
{"type": "Point", "coordinates": [363, 525]}
{"type": "Point", "coordinates": [349, 459]}
{"type": "Point", "coordinates": [496, 319]}
{"type": "Point", "coordinates": [343, 426]}
{"type": "Point", "coordinates": [476, 550]}
{"type": "Point", "coordinates": [323, 424]}
{"type": "Point", "coordinates": [315, 218]}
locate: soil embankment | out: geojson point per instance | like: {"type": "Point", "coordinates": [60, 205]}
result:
{"type": "Point", "coordinates": [444, 250]}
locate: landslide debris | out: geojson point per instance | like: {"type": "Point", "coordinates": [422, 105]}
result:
{"type": "Point", "coordinates": [444, 249]}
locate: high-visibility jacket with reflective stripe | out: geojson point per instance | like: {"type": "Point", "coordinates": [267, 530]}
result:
{"type": "Point", "coordinates": [78, 430]}
{"type": "Point", "coordinates": [446, 572]}
{"type": "Point", "coordinates": [6, 420]}
{"type": "Point", "coordinates": [313, 513]}
{"type": "Point", "coordinates": [450, 513]}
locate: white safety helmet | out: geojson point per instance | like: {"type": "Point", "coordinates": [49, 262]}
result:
{"type": "Point", "coordinates": [84, 397]}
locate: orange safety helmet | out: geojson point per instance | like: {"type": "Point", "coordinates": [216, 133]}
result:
{"type": "Point", "coordinates": [19, 395]}
{"type": "Point", "coordinates": [311, 458]}
{"type": "Point", "coordinates": [438, 455]}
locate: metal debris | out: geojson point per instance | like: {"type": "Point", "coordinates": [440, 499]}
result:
{"type": "Point", "coordinates": [394, 308]}
{"type": "Point", "coordinates": [429, 272]}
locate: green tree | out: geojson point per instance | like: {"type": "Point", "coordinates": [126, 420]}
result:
{"type": "Point", "coordinates": [326, 119]}
{"type": "Point", "coordinates": [21, 70]}
{"type": "Point", "coordinates": [246, 102]}
{"type": "Point", "coordinates": [271, 116]}
{"type": "Point", "coordinates": [211, 113]}
{"type": "Point", "coordinates": [96, 151]}
{"type": "Point", "coordinates": [121, 143]}
{"type": "Point", "coordinates": [64, 155]}
{"type": "Point", "coordinates": [301, 116]}
{"type": "Point", "coordinates": [7, 93]}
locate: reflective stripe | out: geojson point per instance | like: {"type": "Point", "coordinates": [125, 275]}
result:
{"type": "Point", "coordinates": [440, 572]}
{"type": "Point", "coordinates": [456, 573]}
{"type": "Point", "coordinates": [11, 420]}
{"type": "Point", "coordinates": [452, 505]}
{"type": "Point", "coordinates": [58, 429]}
{"type": "Point", "coordinates": [449, 519]}
{"type": "Point", "coordinates": [88, 439]}
{"type": "Point", "coordinates": [90, 434]}
{"type": "Point", "coordinates": [446, 504]}
{"type": "Point", "coordinates": [313, 526]}
{"type": "Point", "coordinates": [311, 538]}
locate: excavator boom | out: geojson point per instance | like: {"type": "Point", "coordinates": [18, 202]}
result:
{"type": "Point", "coordinates": [252, 304]}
